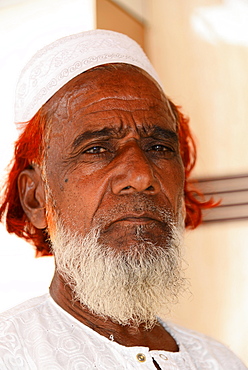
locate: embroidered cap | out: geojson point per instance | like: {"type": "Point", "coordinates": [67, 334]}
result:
{"type": "Point", "coordinates": [56, 64]}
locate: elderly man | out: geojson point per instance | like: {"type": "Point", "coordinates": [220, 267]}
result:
{"type": "Point", "coordinates": [100, 180]}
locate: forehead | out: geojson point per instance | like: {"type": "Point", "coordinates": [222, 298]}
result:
{"type": "Point", "coordinates": [113, 95]}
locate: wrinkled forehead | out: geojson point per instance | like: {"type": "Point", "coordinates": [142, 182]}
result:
{"type": "Point", "coordinates": [109, 83]}
{"type": "Point", "coordinates": [114, 102]}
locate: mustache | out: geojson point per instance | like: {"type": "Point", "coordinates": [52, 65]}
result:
{"type": "Point", "coordinates": [138, 205]}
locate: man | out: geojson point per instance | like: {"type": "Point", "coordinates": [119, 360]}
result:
{"type": "Point", "coordinates": [100, 180]}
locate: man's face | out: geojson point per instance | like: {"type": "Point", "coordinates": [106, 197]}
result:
{"type": "Point", "coordinates": [113, 157]}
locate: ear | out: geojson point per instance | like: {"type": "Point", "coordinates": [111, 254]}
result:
{"type": "Point", "coordinates": [32, 196]}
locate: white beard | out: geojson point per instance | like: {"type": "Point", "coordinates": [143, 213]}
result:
{"type": "Point", "coordinates": [130, 287]}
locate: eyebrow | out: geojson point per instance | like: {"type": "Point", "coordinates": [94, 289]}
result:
{"type": "Point", "coordinates": [162, 133]}
{"type": "Point", "coordinates": [107, 132]}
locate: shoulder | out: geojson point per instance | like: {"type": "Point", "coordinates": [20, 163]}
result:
{"type": "Point", "coordinates": [16, 319]}
{"type": "Point", "coordinates": [20, 328]}
{"type": "Point", "coordinates": [203, 349]}
{"type": "Point", "coordinates": [21, 309]}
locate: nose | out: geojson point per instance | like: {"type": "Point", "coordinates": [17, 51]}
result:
{"type": "Point", "coordinates": [134, 172]}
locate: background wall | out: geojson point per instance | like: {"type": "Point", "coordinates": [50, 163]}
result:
{"type": "Point", "coordinates": [204, 68]}
{"type": "Point", "coordinates": [199, 49]}
{"type": "Point", "coordinates": [112, 16]}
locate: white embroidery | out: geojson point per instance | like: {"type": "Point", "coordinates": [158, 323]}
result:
{"type": "Point", "coordinates": [56, 64]}
{"type": "Point", "coordinates": [39, 335]}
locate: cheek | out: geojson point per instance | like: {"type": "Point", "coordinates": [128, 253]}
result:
{"type": "Point", "coordinates": [172, 183]}
{"type": "Point", "coordinates": [76, 202]}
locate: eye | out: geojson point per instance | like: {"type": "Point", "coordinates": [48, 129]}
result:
{"type": "Point", "coordinates": [163, 151]}
{"type": "Point", "coordinates": [97, 149]}
{"type": "Point", "coordinates": [160, 148]}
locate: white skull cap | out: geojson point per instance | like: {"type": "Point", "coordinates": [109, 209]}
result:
{"type": "Point", "coordinates": [58, 63]}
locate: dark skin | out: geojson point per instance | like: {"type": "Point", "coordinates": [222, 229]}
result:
{"type": "Point", "coordinates": [155, 339]}
{"type": "Point", "coordinates": [107, 147]}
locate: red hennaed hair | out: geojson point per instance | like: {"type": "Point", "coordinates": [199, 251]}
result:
{"type": "Point", "coordinates": [30, 148]}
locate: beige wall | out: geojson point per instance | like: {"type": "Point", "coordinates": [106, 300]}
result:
{"type": "Point", "coordinates": [206, 72]}
{"type": "Point", "coordinates": [109, 15]}
{"type": "Point", "coordinates": [209, 77]}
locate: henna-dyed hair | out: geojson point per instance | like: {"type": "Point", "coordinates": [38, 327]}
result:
{"type": "Point", "coordinates": [30, 148]}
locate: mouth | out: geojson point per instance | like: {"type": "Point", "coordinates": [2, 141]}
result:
{"type": "Point", "coordinates": [132, 228]}
{"type": "Point", "coordinates": [134, 220]}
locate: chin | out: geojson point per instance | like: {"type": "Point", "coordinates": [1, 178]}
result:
{"type": "Point", "coordinates": [132, 237]}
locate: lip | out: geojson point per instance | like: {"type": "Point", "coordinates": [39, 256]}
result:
{"type": "Point", "coordinates": [135, 219]}
{"type": "Point", "coordinates": [139, 220]}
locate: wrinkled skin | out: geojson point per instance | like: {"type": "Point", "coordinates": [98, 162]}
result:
{"type": "Point", "coordinates": [112, 161]}
{"type": "Point", "coordinates": [111, 152]}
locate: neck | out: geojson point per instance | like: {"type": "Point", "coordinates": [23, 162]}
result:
{"type": "Point", "coordinates": [156, 338]}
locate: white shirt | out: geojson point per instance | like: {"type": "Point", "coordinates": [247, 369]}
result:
{"type": "Point", "coordinates": [40, 335]}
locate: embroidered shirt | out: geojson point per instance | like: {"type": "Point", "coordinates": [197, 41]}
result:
{"type": "Point", "coordinates": [40, 335]}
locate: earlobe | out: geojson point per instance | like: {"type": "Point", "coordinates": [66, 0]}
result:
{"type": "Point", "coordinates": [32, 196]}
